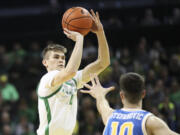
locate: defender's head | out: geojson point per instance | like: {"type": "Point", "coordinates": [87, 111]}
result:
{"type": "Point", "coordinates": [54, 57]}
{"type": "Point", "coordinates": [132, 88]}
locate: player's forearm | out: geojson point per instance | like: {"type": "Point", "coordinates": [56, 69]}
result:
{"type": "Point", "coordinates": [103, 51]}
{"type": "Point", "coordinates": [75, 59]}
{"type": "Point", "coordinates": [174, 133]}
{"type": "Point", "coordinates": [103, 108]}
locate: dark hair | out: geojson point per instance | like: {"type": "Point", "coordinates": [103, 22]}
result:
{"type": "Point", "coordinates": [132, 84]}
{"type": "Point", "coordinates": [53, 47]}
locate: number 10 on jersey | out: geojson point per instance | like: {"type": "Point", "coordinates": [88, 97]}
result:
{"type": "Point", "coordinates": [127, 125]}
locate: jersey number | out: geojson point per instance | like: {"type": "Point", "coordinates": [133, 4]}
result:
{"type": "Point", "coordinates": [127, 125]}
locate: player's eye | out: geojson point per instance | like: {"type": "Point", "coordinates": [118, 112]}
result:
{"type": "Point", "coordinates": [62, 57]}
{"type": "Point", "coordinates": [56, 57]}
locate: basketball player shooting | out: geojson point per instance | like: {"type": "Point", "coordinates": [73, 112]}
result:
{"type": "Point", "coordinates": [57, 91]}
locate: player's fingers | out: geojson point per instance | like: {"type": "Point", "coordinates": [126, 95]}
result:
{"type": "Point", "coordinates": [97, 79]}
{"type": "Point", "coordinates": [92, 80]}
{"type": "Point", "coordinates": [85, 91]}
{"type": "Point", "coordinates": [87, 86]}
{"type": "Point", "coordinates": [92, 12]}
{"type": "Point", "coordinates": [110, 88]}
{"type": "Point", "coordinates": [67, 34]}
{"type": "Point", "coordinates": [97, 14]}
{"type": "Point", "coordinates": [71, 33]}
{"type": "Point", "coordinates": [94, 15]}
{"type": "Point", "coordinates": [66, 30]}
{"type": "Point", "coordinates": [93, 18]}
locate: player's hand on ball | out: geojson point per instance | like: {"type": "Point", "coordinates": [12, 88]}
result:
{"type": "Point", "coordinates": [97, 25]}
{"type": "Point", "coordinates": [73, 35]}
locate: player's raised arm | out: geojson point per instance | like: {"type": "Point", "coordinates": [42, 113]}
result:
{"type": "Point", "coordinates": [99, 93]}
{"type": "Point", "coordinates": [74, 61]}
{"type": "Point", "coordinates": [156, 126]}
{"type": "Point", "coordinates": [103, 60]}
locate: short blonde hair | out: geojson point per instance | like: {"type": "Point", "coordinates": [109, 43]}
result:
{"type": "Point", "coordinates": [53, 47]}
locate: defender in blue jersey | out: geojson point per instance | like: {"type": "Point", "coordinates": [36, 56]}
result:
{"type": "Point", "coordinates": [127, 122]}
{"type": "Point", "coordinates": [131, 119]}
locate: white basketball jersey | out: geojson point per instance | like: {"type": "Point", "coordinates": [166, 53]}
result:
{"type": "Point", "coordinates": [57, 109]}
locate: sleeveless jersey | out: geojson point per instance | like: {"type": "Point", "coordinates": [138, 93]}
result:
{"type": "Point", "coordinates": [123, 122]}
{"type": "Point", "coordinates": [57, 109]}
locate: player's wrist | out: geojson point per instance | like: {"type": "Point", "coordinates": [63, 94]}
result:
{"type": "Point", "coordinates": [100, 97]}
{"type": "Point", "coordinates": [100, 32]}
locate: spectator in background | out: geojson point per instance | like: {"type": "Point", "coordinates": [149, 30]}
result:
{"type": "Point", "coordinates": [149, 19]}
{"type": "Point", "coordinates": [17, 52]}
{"type": "Point", "coordinates": [156, 66]}
{"type": "Point", "coordinates": [4, 60]}
{"type": "Point", "coordinates": [141, 54]}
{"type": "Point", "coordinates": [114, 22]}
{"type": "Point", "coordinates": [126, 60]}
{"type": "Point", "coordinates": [174, 65]}
{"type": "Point", "coordinates": [150, 78]}
{"type": "Point", "coordinates": [8, 90]}
{"type": "Point", "coordinates": [165, 77]}
{"type": "Point", "coordinates": [2, 54]}
{"type": "Point", "coordinates": [155, 51]}
{"type": "Point", "coordinates": [117, 69]}
{"type": "Point", "coordinates": [158, 93]}
{"type": "Point", "coordinates": [34, 50]}
{"type": "Point", "coordinates": [25, 110]}
{"type": "Point", "coordinates": [17, 73]}
{"type": "Point", "coordinates": [6, 130]}
{"type": "Point", "coordinates": [86, 104]}
{"type": "Point", "coordinates": [150, 82]}
{"type": "Point", "coordinates": [24, 127]}
{"type": "Point", "coordinates": [6, 119]}
{"type": "Point", "coordinates": [89, 52]}
{"type": "Point", "coordinates": [175, 19]}
{"type": "Point", "coordinates": [167, 109]}
{"type": "Point", "coordinates": [91, 124]}
{"type": "Point", "coordinates": [175, 92]}
{"type": "Point", "coordinates": [138, 67]}
{"type": "Point", "coordinates": [2, 50]}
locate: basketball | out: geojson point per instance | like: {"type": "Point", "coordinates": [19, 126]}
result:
{"type": "Point", "coordinates": [77, 19]}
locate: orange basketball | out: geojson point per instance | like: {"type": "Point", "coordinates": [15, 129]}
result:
{"type": "Point", "coordinates": [77, 19]}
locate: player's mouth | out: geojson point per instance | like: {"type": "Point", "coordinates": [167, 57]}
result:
{"type": "Point", "coordinates": [61, 66]}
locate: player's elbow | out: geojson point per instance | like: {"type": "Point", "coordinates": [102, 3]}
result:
{"type": "Point", "coordinates": [71, 74]}
{"type": "Point", "coordinates": [108, 63]}
{"type": "Point", "coordinates": [103, 64]}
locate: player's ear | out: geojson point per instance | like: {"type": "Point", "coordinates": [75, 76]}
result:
{"type": "Point", "coordinates": [143, 93]}
{"type": "Point", "coordinates": [44, 62]}
{"type": "Point", "coordinates": [121, 94]}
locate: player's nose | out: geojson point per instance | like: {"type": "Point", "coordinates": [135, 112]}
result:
{"type": "Point", "coordinates": [61, 61]}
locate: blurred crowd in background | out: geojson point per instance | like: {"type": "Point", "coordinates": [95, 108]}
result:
{"type": "Point", "coordinates": [21, 69]}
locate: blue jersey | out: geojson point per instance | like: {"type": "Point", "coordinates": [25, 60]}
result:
{"type": "Point", "coordinates": [123, 122]}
